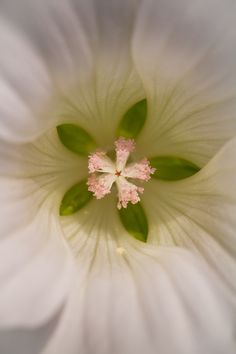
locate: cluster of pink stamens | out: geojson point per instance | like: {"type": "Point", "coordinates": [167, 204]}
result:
{"type": "Point", "coordinates": [104, 172]}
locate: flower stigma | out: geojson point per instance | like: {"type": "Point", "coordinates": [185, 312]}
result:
{"type": "Point", "coordinates": [104, 173]}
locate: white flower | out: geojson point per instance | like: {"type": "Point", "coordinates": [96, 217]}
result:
{"type": "Point", "coordinates": [81, 283]}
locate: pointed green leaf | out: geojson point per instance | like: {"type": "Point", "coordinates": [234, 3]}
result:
{"type": "Point", "coordinates": [133, 120]}
{"type": "Point", "coordinates": [76, 139]}
{"type": "Point", "coordinates": [134, 221]}
{"type": "Point", "coordinates": [172, 168]}
{"type": "Point", "coordinates": [75, 199]}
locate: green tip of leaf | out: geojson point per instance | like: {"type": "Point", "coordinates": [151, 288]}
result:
{"type": "Point", "coordinates": [134, 220]}
{"type": "Point", "coordinates": [76, 139]}
{"type": "Point", "coordinates": [133, 120]}
{"type": "Point", "coordinates": [75, 199]}
{"type": "Point", "coordinates": [68, 210]}
{"type": "Point", "coordinates": [172, 168]}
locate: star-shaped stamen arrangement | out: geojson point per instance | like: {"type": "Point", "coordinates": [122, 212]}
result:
{"type": "Point", "coordinates": [104, 173]}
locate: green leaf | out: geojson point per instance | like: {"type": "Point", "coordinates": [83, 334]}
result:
{"type": "Point", "coordinates": [172, 168]}
{"type": "Point", "coordinates": [76, 139]}
{"type": "Point", "coordinates": [133, 120]}
{"type": "Point", "coordinates": [75, 198]}
{"type": "Point", "coordinates": [134, 221]}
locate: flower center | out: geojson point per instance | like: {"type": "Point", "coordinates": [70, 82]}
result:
{"type": "Point", "coordinates": [104, 173]}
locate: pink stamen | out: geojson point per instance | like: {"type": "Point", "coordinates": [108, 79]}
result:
{"type": "Point", "coordinates": [123, 144]}
{"type": "Point", "coordinates": [99, 162]}
{"type": "Point", "coordinates": [100, 184]}
{"type": "Point", "coordinates": [123, 149]}
{"type": "Point", "coordinates": [127, 192]}
{"type": "Point", "coordinates": [141, 170]}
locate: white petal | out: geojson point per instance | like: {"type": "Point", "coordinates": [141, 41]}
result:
{"type": "Point", "coordinates": [186, 59]}
{"type": "Point", "coordinates": [199, 213]}
{"type": "Point", "coordinates": [36, 265]}
{"type": "Point", "coordinates": [25, 88]}
{"type": "Point", "coordinates": [85, 48]}
{"type": "Point", "coordinates": [136, 298]}
{"type": "Point", "coordinates": [36, 268]}
{"type": "Point", "coordinates": [146, 301]}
